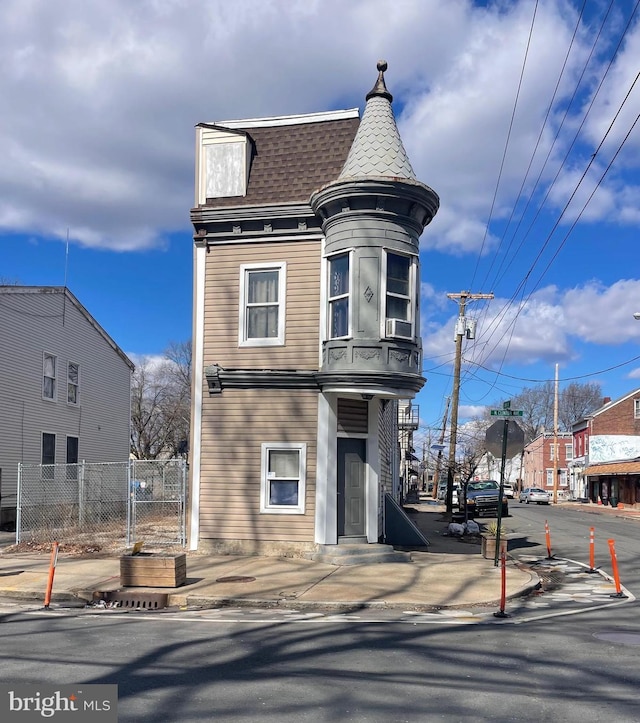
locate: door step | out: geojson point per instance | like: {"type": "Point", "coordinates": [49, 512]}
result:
{"type": "Point", "coordinates": [346, 553]}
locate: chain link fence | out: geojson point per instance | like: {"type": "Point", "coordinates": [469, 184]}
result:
{"type": "Point", "coordinates": [100, 502]}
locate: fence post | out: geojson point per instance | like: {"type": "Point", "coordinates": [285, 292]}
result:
{"type": "Point", "coordinates": [130, 502]}
{"type": "Point", "coordinates": [19, 503]}
{"type": "Point", "coordinates": [81, 495]}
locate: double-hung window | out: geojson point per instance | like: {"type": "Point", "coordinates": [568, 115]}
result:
{"type": "Point", "coordinates": [262, 304]}
{"type": "Point", "coordinates": [283, 478]}
{"type": "Point", "coordinates": [49, 363]}
{"type": "Point", "coordinates": [338, 296]}
{"type": "Point", "coordinates": [636, 408]}
{"type": "Point", "coordinates": [400, 299]}
{"type": "Point", "coordinates": [48, 455]}
{"type": "Point", "coordinates": [72, 458]}
{"type": "Point", "coordinates": [73, 383]}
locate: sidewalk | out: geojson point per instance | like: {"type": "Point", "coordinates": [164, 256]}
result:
{"type": "Point", "coordinates": [451, 574]}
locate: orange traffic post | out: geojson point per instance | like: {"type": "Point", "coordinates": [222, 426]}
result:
{"type": "Point", "coordinates": [592, 549]}
{"type": "Point", "coordinates": [52, 570]}
{"type": "Point", "coordinates": [616, 574]}
{"type": "Point", "coordinates": [503, 591]}
{"type": "Point", "coordinates": [547, 534]}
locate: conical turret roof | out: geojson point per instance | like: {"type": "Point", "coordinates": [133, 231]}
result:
{"type": "Point", "coordinates": [377, 149]}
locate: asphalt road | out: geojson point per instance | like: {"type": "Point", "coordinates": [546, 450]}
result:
{"type": "Point", "coordinates": [185, 668]}
{"type": "Point", "coordinates": [569, 531]}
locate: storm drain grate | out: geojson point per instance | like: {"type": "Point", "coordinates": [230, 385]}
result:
{"type": "Point", "coordinates": [235, 578]}
{"type": "Point", "coordinates": [549, 579]}
{"type": "Point", "coordinates": [133, 600]}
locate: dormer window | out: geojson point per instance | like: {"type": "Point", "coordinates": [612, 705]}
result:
{"type": "Point", "coordinates": [400, 299]}
{"type": "Point", "coordinates": [226, 174]}
{"type": "Point", "coordinates": [223, 163]}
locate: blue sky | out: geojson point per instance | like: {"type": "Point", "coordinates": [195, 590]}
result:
{"type": "Point", "coordinates": [98, 144]}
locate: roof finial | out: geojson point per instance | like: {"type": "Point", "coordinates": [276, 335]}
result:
{"type": "Point", "coordinates": [380, 89]}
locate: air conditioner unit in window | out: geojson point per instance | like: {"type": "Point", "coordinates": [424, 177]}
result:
{"type": "Point", "coordinates": [399, 328]}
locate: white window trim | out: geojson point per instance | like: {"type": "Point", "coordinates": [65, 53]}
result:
{"type": "Point", "coordinates": [636, 408]}
{"type": "Point", "coordinates": [265, 507]}
{"type": "Point", "coordinates": [413, 293]}
{"type": "Point", "coordinates": [278, 340]}
{"type": "Point", "coordinates": [349, 254]}
{"type": "Point", "coordinates": [77, 402]}
{"type": "Point", "coordinates": [55, 377]}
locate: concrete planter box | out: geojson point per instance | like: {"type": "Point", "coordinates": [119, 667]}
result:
{"type": "Point", "coordinates": [151, 569]}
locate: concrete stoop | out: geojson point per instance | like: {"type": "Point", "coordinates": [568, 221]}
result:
{"type": "Point", "coordinates": [357, 554]}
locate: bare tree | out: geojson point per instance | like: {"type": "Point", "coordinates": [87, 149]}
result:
{"type": "Point", "coordinates": [537, 403]}
{"type": "Point", "coordinates": [161, 404]}
{"type": "Point", "coordinates": [577, 401]}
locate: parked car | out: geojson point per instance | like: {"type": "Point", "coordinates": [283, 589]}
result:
{"type": "Point", "coordinates": [442, 493]}
{"type": "Point", "coordinates": [535, 494]}
{"type": "Point", "coordinates": [508, 490]}
{"type": "Point", "coordinates": [483, 499]}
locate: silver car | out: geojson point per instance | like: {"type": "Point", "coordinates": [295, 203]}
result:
{"type": "Point", "coordinates": [535, 494]}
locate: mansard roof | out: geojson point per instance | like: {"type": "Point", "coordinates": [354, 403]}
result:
{"type": "Point", "coordinates": [292, 156]}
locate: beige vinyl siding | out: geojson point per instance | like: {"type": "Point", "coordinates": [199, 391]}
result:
{"type": "Point", "coordinates": [234, 426]}
{"type": "Point", "coordinates": [222, 298]}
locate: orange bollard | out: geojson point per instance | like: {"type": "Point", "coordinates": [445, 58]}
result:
{"type": "Point", "coordinates": [592, 549]}
{"type": "Point", "coordinates": [614, 565]}
{"type": "Point", "coordinates": [503, 591]}
{"type": "Point", "coordinates": [547, 534]}
{"type": "Point", "coordinates": [52, 570]}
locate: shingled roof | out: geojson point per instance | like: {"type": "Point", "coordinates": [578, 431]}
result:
{"type": "Point", "coordinates": [377, 151]}
{"type": "Point", "coordinates": [289, 162]}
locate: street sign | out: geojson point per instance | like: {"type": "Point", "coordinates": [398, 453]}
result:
{"type": "Point", "coordinates": [495, 435]}
{"type": "Point", "coordinates": [507, 413]}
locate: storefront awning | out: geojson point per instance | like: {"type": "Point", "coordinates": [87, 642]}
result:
{"type": "Point", "coordinates": [631, 467]}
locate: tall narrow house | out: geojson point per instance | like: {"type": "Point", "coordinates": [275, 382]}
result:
{"type": "Point", "coordinates": [306, 326]}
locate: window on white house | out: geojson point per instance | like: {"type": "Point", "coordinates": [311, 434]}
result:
{"type": "Point", "coordinates": [72, 458]}
{"type": "Point", "coordinates": [338, 296]}
{"type": "Point", "coordinates": [49, 376]}
{"type": "Point", "coordinates": [73, 382]}
{"type": "Point", "coordinates": [283, 478]}
{"type": "Point", "coordinates": [400, 295]}
{"type": "Point", "coordinates": [262, 304]}
{"type": "Point", "coordinates": [48, 455]}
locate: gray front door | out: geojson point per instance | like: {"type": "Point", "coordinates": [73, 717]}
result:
{"type": "Point", "coordinates": [351, 487]}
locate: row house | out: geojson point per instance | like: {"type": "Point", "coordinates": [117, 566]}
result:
{"type": "Point", "coordinates": [546, 462]}
{"type": "Point", "coordinates": [606, 464]}
{"type": "Point", "coordinates": [306, 327]}
{"type": "Point", "coordinates": [65, 393]}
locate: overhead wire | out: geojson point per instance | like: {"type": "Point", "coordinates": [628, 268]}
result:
{"type": "Point", "coordinates": [522, 285]}
{"type": "Point", "coordinates": [506, 145]}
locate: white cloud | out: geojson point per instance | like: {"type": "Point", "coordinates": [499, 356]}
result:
{"type": "Point", "coordinates": [546, 328]}
{"type": "Point", "coordinates": [98, 136]}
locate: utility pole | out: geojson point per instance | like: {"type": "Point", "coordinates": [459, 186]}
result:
{"type": "Point", "coordinates": [436, 476]}
{"type": "Point", "coordinates": [555, 441]}
{"type": "Point", "coordinates": [464, 328]}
